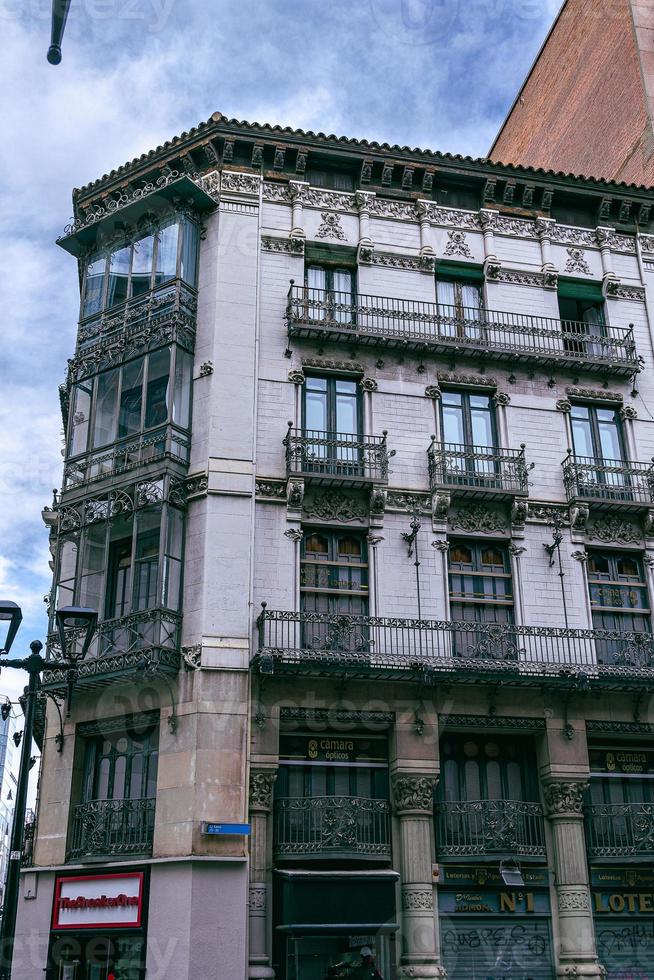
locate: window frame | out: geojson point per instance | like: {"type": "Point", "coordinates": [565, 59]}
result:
{"type": "Point", "coordinates": [331, 402]}
{"type": "Point", "coordinates": [466, 414]}
{"type": "Point", "coordinates": [592, 409]}
{"type": "Point", "coordinates": [481, 600]}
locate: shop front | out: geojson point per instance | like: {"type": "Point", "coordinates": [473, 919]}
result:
{"type": "Point", "coordinates": [99, 927]}
{"type": "Point", "coordinates": [491, 931]}
{"type": "Point", "coordinates": [323, 921]}
{"type": "Point", "coordinates": [623, 908]}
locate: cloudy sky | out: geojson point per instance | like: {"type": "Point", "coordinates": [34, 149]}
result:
{"type": "Point", "coordinates": [429, 73]}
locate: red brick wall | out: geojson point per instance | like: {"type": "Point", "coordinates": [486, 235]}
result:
{"type": "Point", "coordinates": [583, 109]}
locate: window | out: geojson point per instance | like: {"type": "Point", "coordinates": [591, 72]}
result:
{"type": "Point", "coordinates": [131, 270]}
{"type": "Point", "coordinates": [330, 293]}
{"type": "Point", "coordinates": [468, 424]}
{"type": "Point", "coordinates": [334, 580]}
{"type": "Point", "coordinates": [331, 425]}
{"type": "Point", "coordinates": [460, 307]}
{"type": "Point", "coordinates": [621, 794]}
{"type": "Point", "coordinates": [581, 318]}
{"type": "Point", "coordinates": [597, 439]}
{"type": "Point", "coordinates": [336, 180]}
{"type": "Point", "coordinates": [125, 401]}
{"type": "Point", "coordinates": [481, 591]}
{"type": "Point", "coordinates": [476, 767]}
{"type": "Point", "coordinates": [619, 598]}
{"type": "Point", "coordinates": [121, 765]}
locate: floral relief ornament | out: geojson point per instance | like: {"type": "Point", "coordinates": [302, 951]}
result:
{"type": "Point", "coordinates": [330, 226]}
{"type": "Point", "coordinates": [576, 261]}
{"type": "Point", "coordinates": [261, 789]}
{"type": "Point", "coordinates": [565, 797]}
{"type": "Point", "coordinates": [413, 792]}
{"type": "Point", "coordinates": [457, 244]}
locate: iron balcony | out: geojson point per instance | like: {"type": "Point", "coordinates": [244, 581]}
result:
{"type": "Point", "coordinates": [489, 827]}
{"type": "Point", "coordinates": [173, 304]}
{"type": "Point", "coordinates": [437, 328]}
{"type": "Point", "coordinates": [328, 827]}
{"type": "Point", "coordinates": [321, 643]}
{"type": "Point", "coordinates": [336, 458]}
{"type": "Point", "coordinates": [620, 830]}
{"type": "Point", "coordinates": [147, 640]}
{"type": "Point", "coordinates": [167, 444]}
{"type": "Point", "coordinates": [111, 828]}
{"type": "Point", "coordinates": [469, 471]}
{"type": "Point", "coordinates": [608, 484]}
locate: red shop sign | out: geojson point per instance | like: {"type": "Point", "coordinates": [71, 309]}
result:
{"type": "Point", "coordinates": [98, 902]}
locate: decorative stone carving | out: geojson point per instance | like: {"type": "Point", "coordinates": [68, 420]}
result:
{"type": "Point", "coordinates": [492, 269]}
{"type": "Point", "coordinates": [192, 656]}
{"type": "Point", "coordinates": [377, 502]}
{"type": "Point", "coordinates": [548, 513]}
{"type": "Point", "coordinates": [413, 792]}
{"type": "Point", "coordinates": [573, 901]}
{"type": "Point", "coordinates": [440, 505]}
{"type": "Point", "coordinates": [571, 235]}
{"type": "Point", "coordinates": [369, 384]}
{"type": "Point", "coordinates": [270, 488]}
{"type": "Point", "coordinates": [562, 798]}
{"type": "Point", "coordinates": [478, 518]}
{"type": "Point", "coordinates": [433, 391]}
{"type": "Point", "coordinates": [206, 369]}
{"type": "Point", "coordinates": [294, 534]}
{"type": "Point", "coordinates": [618, 290]}
{"type": "Point", "coordinates": [521, 277]}
{"type": "Point", "coordinates": [417, 899]}
{"type": "Point", "coordinates": [501, 398]}
{"type": "Point", "coordinates": [333, 505]}
{"type": "Point", "coordinates": [296, 377]}
{"type": "Point", "coordinates": [427, 262]}
{"type": "Point", "coordinates": [442, 546]}
{"type": "Point", "coordinates": [457, 244]}
{"type": "Point", "coordinates": [579, 517]}
{"type": "Point", "coordinates": [210, 184]}
{"type": "Point", "coordinates": [261, 789]}
{"type": "Point", "coordinates": [393, 260]}
{"type": "Point", "coordinates": [576, 261]}
{"type": "Point", "coordinates": [408, 502]}
{"type": "Point", "coordinates": [580, 556]}
{"type": "Point", "coordinates": [365, 254]}
{"type": "Point", "coordinates": [331, 364]}
{"type": "Point", "coordinates": [469, 380]}
{"type": "Point", "coordinates": [291, 246]}
{"type": "Point", "coordinates": [197, 486]}
{"type": "Point", "coordinates": [614, 529]}
{"type": "Point", "coordinates": [295, 494]}
{"type": "Point", "coordinates": [593, 394]}
{"type": "Point", "coordinates": [456, 218]}
{"type": "Point", "coordinates": [257, 899]}
{"type": "Point", "coordinates": [519, 511]}
{"type": "Point", "coordinates": [516, 551]}
{"type": "Point", "coordinates": [330, 226]}
{"type": "Point", "coordinates": [240, 183]}
{"type": "Point", "coordinates": [628, 412]}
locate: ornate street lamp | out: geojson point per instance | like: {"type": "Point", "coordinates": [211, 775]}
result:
{"type": "Point", "coordinates": [73, 623]}
{"type": "Point", "coordinates": [60, 10]}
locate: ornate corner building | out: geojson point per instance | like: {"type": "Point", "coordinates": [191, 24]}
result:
{"type": "Point", "coordinates": [358, 476]}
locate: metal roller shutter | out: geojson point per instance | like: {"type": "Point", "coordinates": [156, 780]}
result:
{"type": "Point", "coordinates": [626, 947]}
{"type": "Point", "coordinates": [494, 949]}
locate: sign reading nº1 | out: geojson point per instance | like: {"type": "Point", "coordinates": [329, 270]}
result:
{"type": "Point", "coordinates": [231, 829]}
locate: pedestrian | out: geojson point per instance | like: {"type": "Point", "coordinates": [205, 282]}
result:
{"type": "Point", "coordinates": [366, 970]}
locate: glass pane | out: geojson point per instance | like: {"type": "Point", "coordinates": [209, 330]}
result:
{"type": "Point", "coordinates": [581, 432]}
{"type": "Point", "coordinates": [147, 560]}
{"type": "Point", "coordinates": [609, 433]}
{"type": "Point", "coordinates": [79, 418]}
{"type": "Point", "coordinates": [142, 265]}
{"type": "Point", "coordinates": [67, 567]}
{"type": "Point", "coordinates": [316, 404]}
{"type": "Point", "coordinates": [471, 299]}
{"type": "Point", "coordinates": [316, 277]}
{"type": "Point", "coordinates": [343, 285]}
{"type": "Point", "coordinates": [93, 283]}
{"type": "Point", "coordinates": [445, 293]}
{"type": "Point", "coordinates": [494, 781]}
{"type": "Point", "coordinates": [472, 781]}
{"type": "Point", "coordinates": [452, 412]}
{"type": "Point", "coordinates": [92, 567]}
{"type": "Point", "coordinates": [136, 777]}
{"type": "Point", "coordinates": [131, 396]}
{"type": "Point", "coordinates": [346, 407]}
{"type": "Point", "coordinates": [182, 400]}
{"type": "Point", "coordinates": [120, 769]}
{"type": "Point", "coordinates": [119, 568]}
{"type": "Point", "coordinates": [481, 418]}
{"type": "Point", "coordinates": [104, 430]}
{"type": "Point", "coordinates": [156, 401]}
{"type": "Point", "coordinates": [151, 786]}
{"type": "Point", "coordinates": [102, 786]}
{"type": "Point", "coordinates": [188, 271]}
{"type": "Point", "coordinates": [166, 254]}
{"type": "Point", "coordinates": [118, 276]}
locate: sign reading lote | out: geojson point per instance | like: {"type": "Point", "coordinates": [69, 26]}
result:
{"type": "Point", "coordinates": [102, 902]}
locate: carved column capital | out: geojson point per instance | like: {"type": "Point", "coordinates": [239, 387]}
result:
{"type": "Point", "coordinates": [261, 789]}
{"type": "Point", "coordinates": [564, 799]}
{"type": "Point", "coordinates": [413, 793]}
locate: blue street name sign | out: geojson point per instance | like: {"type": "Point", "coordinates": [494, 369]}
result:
{"type": "Point", "coordinates": [226, 828]}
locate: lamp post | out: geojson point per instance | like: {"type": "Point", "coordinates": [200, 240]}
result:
{"type": "Point", "coordinates": [60, 10]}
{"type": "Point", "coordinates": [70, 617]}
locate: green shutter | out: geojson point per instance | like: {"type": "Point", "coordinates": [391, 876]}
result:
{"type": "Point", "coordinates": [580, 289]}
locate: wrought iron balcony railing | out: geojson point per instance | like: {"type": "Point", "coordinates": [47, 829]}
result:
{"type": "Point", "coordinates": [111, 828]}
{"type": "Point", "coordinates": [620, 829]}
{"type": "Point", "coordinates": [165, 443]}
{"type": "Point", "coordinates": [174, 300]}
{"type": "Point", "coordinates": [320, 641]}
{"type": "Point", "coordinates": [144, 640]}
{"type": "Point", "coordinates": [332, 826]}
{"type": "Point", "coordinates": [336, 457]}
{"type": "Point", "coordinates": [610, 482]}
{"type": "Point", "coordinates": [28, 844]}
{"type": "Point", "coordinates": [439, 328]}
{"type": "Point", "coordinates": [478, 469]}
{"type": "Point", "coordinates": [478, 827]}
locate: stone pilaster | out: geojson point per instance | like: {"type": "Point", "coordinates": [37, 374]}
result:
{"type": "Point", "coordinates": [260, 805]}
{"type": "Point", "coordinates": [413, 797]}
{"type": "Point", "coordinates": [564, 808]}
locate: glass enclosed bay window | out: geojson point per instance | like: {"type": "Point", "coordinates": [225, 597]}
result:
{"type": "Point", "coordinates": [127, 271]}
{"type": "Point", "coordinates": [141, 395]}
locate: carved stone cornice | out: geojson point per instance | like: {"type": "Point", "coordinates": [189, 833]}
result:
{"type": "Point", "coordinates": [570, 235]}
{"type": "Point", "coordinates": [619, 290]}
{"type": "Point", "coordinates": [593, 394]}
{"type": "Point", "coordinates": [408, 501]}
{"type": "Point", "coordinates": [467, 380]}
{"type": "Point", "coordinates": [289, 246]}
{"type": "Point", "coordinates": [492, 721]}
{"type": "Point", "coordinates": [375, 719]}
{"type": "Point", "coordinates": [523, 277]}
{"type": "Point", "coordinates": [479, 519]}
{"type": "Point", "coordinates": [565, 798]}
{"type": "Point", "coordinates": [393, 260]}
{"type": "Point", "coordinates": [240, 183]}
{"type": "Point", "coordinates": [333, 505]}
{"type": "Point", "coordinates": [262, 782]}
{"type": "Point", "coordinates": [414, 793]}
{"type": "Point", "coordinates": [270, 488]}
{"type": "Point", "coordinates": [331, 364]}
